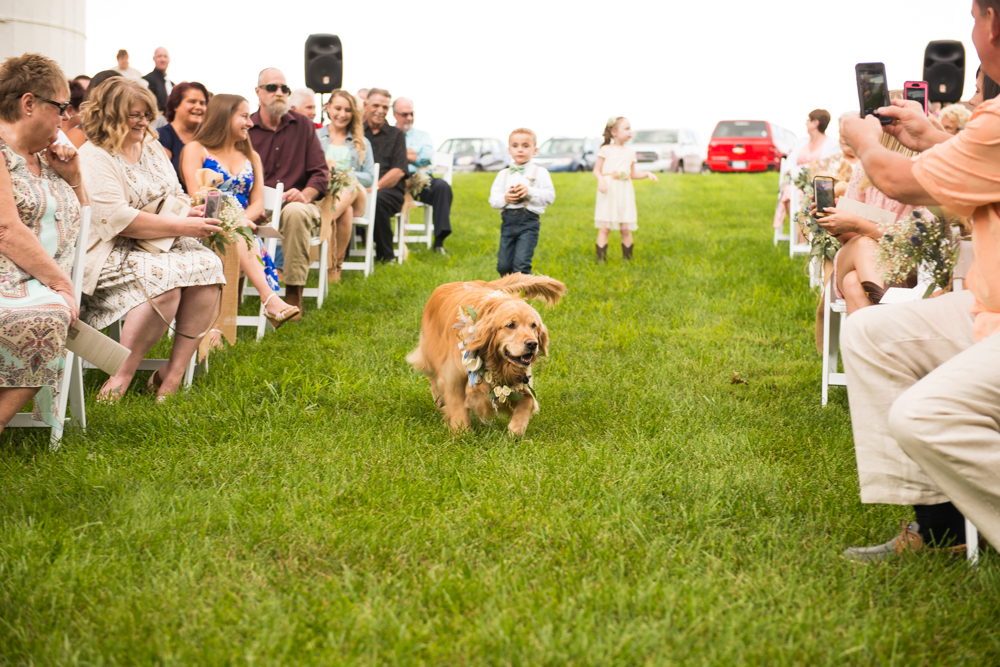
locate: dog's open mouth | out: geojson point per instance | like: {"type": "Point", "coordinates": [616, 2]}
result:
{"type": "Point", "coordinates": [523, 360]}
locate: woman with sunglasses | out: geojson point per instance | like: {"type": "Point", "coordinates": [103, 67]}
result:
{"type": "Point", "coordinates": [130, 179]}
{"type": "Point", "coordinates": [40, 198]}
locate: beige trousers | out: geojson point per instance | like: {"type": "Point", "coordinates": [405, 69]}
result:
{"type": "Point", "coordinates": [925, 407]}
{"type": "Point", "coordinates": [299, 224]}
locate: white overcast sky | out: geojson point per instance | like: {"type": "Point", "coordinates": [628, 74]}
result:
{"type": "Point", "coordinates": [560, 68]}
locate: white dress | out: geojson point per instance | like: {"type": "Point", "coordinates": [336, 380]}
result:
{"type": "Point", "coordinates": [617, 206]}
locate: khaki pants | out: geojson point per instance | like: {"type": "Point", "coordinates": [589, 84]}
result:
{"type": "Point", "coordinates": [925, 407]}
{"type": "Point", "coordinates": [299, 224]}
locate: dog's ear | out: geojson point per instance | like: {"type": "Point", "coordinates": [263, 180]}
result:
{"type": "Point", "coordinates": [543, 341]}
{"type": "Point", "coordinates": [484, 331]}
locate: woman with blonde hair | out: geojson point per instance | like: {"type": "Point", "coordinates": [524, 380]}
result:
{"type": "Point", "coordinates": [953, 118]}
{"type": "Point", "coordinates": [347, 150]}
{"type": "Point", "coordinates": [222, 144]}
{"type": "Point", "coordinates": [130, 179]}
{"type": "Point", "coordinates": [40, 198]}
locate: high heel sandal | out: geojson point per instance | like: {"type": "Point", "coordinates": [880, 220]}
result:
{"type": "Point", "coordinates": [155, 382]}
{"type": "Point", "coordinates": [111, 396]}
{"type": "Point", "coordinates": [287, 313]}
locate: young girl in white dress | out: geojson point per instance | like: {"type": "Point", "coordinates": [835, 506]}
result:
{"type": "Point", "coordinates": [615, 170]}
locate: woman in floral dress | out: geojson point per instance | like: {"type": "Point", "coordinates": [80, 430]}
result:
{"type": "Point", "coordinates": [40, 196]}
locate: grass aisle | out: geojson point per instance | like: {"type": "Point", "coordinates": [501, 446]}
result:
{"type": "Point", "coordinates": [304, 503]}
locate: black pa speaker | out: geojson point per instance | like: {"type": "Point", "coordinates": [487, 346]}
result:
{"type": "Point", "coordinates": [324, 63]}
{"type": "Point", "coordinates": [944, 70]}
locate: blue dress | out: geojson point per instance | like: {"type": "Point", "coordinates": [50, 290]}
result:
{"type": "Point", "coordinates": [240, 185]}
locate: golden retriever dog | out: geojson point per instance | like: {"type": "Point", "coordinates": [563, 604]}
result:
{"type": "Point", "coordinates": [478, 340]}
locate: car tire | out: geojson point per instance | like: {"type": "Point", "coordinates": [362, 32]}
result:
{"type": "Point", "coordinates": [479, 167]}
{"type": "Point", "coordinates": [580, 168]}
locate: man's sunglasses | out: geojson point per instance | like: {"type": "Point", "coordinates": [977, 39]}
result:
{"type": "Point", "coordinates": [62, 106]}
{"type": "Point", "coordinates": [275, 87]}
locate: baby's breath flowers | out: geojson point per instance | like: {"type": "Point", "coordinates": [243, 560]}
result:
{"type": "Point", "coordinates": [919, 239]}
{"type": "Point", "coordinates": [230, 216]}
{"type": "Point", "coordinates": [821, 243]}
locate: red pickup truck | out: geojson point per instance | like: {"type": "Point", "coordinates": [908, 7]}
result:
{"type": "Point", "coordinates": [748, 145]}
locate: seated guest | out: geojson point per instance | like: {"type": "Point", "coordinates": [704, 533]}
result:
{"type": "Point", "coordinates": [346, 149]}
{"type": "Point", "coordinates": [419, 152]}
{"type": "Point", "coordinates": [83, 80]}
{"type": "Point", "coordinates": [127, 173]}
{"type": "Point", "coordinates": [158, 82]}
{"type": "Point", "coordinates": [38, 235]}
{"type": "Point", "coordinates": [811, 148]}
{"type": "Point", "coordinates": [98, 79]}
{"type": "Point", "coordinates": [184, 112]}
{"type": "Point", "coordinates": [389, 148]}
{"type": "Point", "coordinates": [363, 95]}
{"type": "Point", "coordinates": [954, 117]}
{"type": "Point", "coordinates": [921, 376]}
{"type": "Point", "coordinates": [291, 154]}
{"type": "Point", "coordinates": [303, 100]}
{"type": "Point", "coordinates": [222, 144]}
{"type": "Point", "coordinates": [71, 123]}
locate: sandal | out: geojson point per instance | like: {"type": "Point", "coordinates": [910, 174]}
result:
{"type": "Point", "coordinates": [111, 396]}
{"type": "Point", "coordinates": [286, 313]}
{"type": "Point", "coordinates": [215, 342]}
{"type": "Point", "coordinates": [155, 382]}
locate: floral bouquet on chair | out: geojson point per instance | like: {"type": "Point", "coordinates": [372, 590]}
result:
{"type": "Point", "coordinates": [230, 214]}
{"type": "Point", "coordinates": [340, 180]}
{"type": "Point", "coordinates": [418, 182]}
{"type": "Point", "coordinates": [918, 239]}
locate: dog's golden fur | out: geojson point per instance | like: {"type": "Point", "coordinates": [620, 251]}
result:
{"type": "Point", "coordinates": [508, 334]}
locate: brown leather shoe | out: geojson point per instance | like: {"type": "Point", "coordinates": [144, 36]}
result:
{"type": "Point", "coordinates": [602, 252]}
{"type": "Point", "coordinates": [627, 252]}
{"type": "Point", "coordinates": [293, 297]}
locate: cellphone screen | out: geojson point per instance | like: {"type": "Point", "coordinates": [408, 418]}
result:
{"type": "Point", "coordinates": [871, 86]}
{"type": "Point", "coordinates": [917, 95]}
{"type": "Point", "coordinates": [213, 202]}
{"type": "Point", "coordinates": [824, 195]}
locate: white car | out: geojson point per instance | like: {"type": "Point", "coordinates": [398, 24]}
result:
{"type": "Point", "coordinates": [668, 150]}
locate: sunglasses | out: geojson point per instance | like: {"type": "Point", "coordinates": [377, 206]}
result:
{"type": "Point", "coordinates": [62, 106]}
{"type": "Point", "coordinates": [275, 87]}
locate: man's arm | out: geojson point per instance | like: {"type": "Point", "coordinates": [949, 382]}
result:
{"type": "Point", "coordinates": [891, 172]}
{"type": "Point", "coordinates": [424, 149]}
{"type": "Point", "coordinates": [397, 163]}
{"type": "Point", "coordinates": [911, 127]}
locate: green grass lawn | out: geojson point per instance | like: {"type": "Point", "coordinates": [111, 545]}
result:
{"type": "Point", "coordinates": [304, 503]}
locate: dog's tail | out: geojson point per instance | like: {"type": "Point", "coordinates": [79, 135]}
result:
{"type": "Point", "coordinates": [548, 289]}
{"type": "Point", "coordinates": [416, 359]}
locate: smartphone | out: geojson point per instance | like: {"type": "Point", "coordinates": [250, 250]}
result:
{"type": "Point", "coordinates": [823, 188]}
{"type": "Point", "coordinates": [213, 203]}
{"type": "Point", "coordinates": [873, 92]}
{"type": "Point", "coordinates": [916, 91]}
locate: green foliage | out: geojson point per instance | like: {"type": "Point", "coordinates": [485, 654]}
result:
{"type": "Point", "coordinates": [304, 503]}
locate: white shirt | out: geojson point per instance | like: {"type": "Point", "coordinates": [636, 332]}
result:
{"type": "Point", "coordinates": [541, 192]}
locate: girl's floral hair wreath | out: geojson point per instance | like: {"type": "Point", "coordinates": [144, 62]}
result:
{"type": "Point", "coordinates": [611, 121]}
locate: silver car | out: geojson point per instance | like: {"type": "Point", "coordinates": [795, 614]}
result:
{"type": "Point", "coordinates": [679, 151]}
{"type": "Point", "coordinates": [477, 154]}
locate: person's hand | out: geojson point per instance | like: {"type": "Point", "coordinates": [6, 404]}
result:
{"type": "Point", "coordinates": [910, 126]}
{"type": "Point", "coordinates": [247, 222]}
{"type": "Point", "coordinates": [294, 196]}
{"type": "Point", "coordinates": [839, 222]}
{"type": "Point", "coordinates": [511, 198]}
{"type": "Point", "coordinates": [199, 228]}
{"type": "Point", "coordinates": [651, 176]}
{"type": "Point", "coordinates": [64, 288]}
{"type": "Point", "coordinates": [859, 133]}
{"type": "Point", "coordinates": [520, 191]}
{"type": "Point", "coordinates": [197, 211]}
{"type": "Point", "coordinates": [65, 161]}
{"type": "Point", "coordinates": [602, 186]}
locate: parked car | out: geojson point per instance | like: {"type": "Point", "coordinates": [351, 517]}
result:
{"type": "Point", "coordinates": [562, 154]}
{"type": "Point", "coordinates": [668, 150]}
{"type": "Point", "coordinates": [748, 145]}
{"type": "Point", "coordinates": [476, 154]}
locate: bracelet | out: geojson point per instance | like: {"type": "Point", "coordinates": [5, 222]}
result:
{"type": "Point", "coordinates": [75, 186]}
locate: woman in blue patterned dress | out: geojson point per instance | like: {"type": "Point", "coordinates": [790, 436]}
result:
{"type": "Point", "coordinates": [222, 144]}
{"type": "Point", "coordinates": [41, 192]}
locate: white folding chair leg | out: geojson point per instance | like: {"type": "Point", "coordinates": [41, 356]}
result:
{"type": "Point", "coordinates": [971, 543]}
{"type": "Point", "coordinates": [429, 224]}
{"type": "Point", "coordinates": [833, 317]}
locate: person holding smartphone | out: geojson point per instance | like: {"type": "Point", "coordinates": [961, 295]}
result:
{"type": "Point", "coordinates": [813, 147]}
{"type": "Point", "coordinates": [922, 381]}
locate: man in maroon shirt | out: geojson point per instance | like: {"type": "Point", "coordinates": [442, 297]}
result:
{"type": "Point", "coordinates": [291, 154]}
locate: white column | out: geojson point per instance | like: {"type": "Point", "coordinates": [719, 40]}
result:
{"type": "Point", "coordinates": [54, 28]}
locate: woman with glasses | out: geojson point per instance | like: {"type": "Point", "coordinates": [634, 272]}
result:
{"type": "Point", "coordinates": [131, 182]}
{"type": "Point", "coordinates": [40, 197]}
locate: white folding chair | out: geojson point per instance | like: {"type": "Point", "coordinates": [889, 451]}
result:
{"type": "Point", "coordinates": [779, 234]}
{"type": "Point", "coordinates": [834, 314]}
{"type": "Point", "coordinates": [272, 202]}
{"type": "Point", "coordinates": [367, 263]}
{"type": "Point", "coordinates": [71, 384]}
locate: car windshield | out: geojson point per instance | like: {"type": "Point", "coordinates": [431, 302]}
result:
{"type": "Point", "coordinates": [741, 129]}
{"type": "Point", "coordinates": [467, 146]}
{"type": "Point", "coordinates": [655, 137]}
{"type": "Point", "coordinates": [555, 146]}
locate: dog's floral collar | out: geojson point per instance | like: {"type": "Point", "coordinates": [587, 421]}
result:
{"type": "Point", "coordinates": [499, 393]}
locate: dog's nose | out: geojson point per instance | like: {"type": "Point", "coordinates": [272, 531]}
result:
{"type": "Point", "coordinates": [531, 345]}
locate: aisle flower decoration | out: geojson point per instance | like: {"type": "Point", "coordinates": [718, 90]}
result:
{"type": "Point", "coordinates": [230, 216]}
{"type": "Point", "coordinates": [919, 239]}
{"type": "Point", "coordinates": [418, 182]}
{"type": "Point", "coordinates": [340, 180]}
{"type": "Point", "coordinates": [821, 243]}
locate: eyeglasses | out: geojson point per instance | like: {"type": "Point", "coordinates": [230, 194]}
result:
{"type": "Point", "coordinates": [274, 87]}
{"type": "Point", "coordinates": [404, 115]}
{"type": "Point", "coordinates": [62, 106]}
{"type": "Point", "coordinates": [139, 117]}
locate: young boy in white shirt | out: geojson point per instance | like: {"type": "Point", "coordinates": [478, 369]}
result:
{"type": "Point", "coordinates": [521, 193]}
